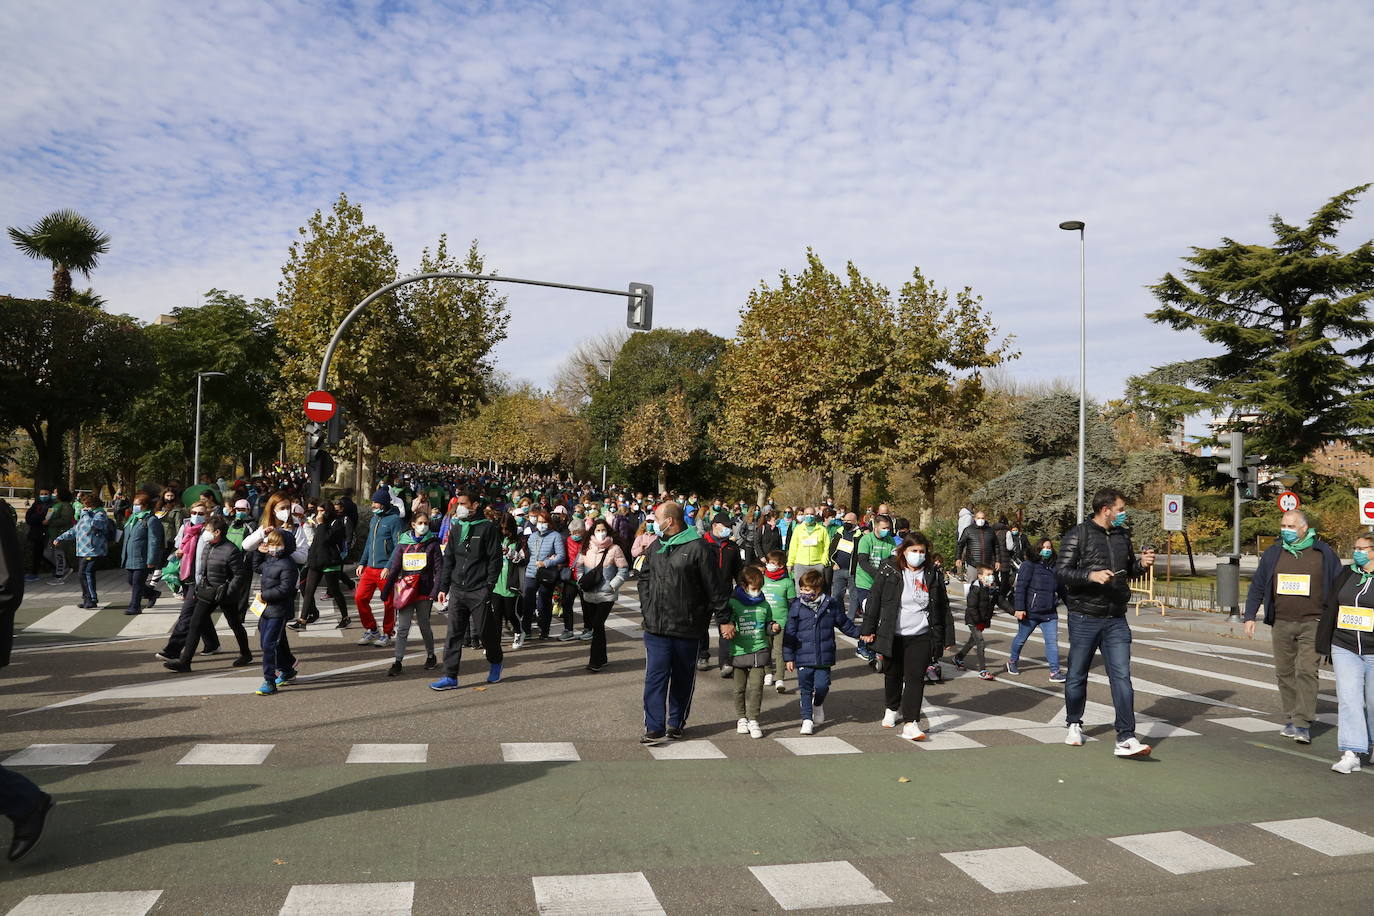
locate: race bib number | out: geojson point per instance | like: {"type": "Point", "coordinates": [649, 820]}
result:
{"type": "Point", "coordinates": [811, 541]}
{"type": "Point", "coordinates": [1292, 584]}
{"type": "Point", "coordinates": [845, 546]}
{"type": "Point", "coordinates": [257, 607]}
{"type": "Point", "coordinates": [413, 562]}
{"type": "Point", "coordinates": [1360, 619]}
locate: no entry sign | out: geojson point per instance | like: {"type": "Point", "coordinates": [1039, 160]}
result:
{"type": "Point", "coordinates": [1288, 501]}
{"type": "Point", "coordinates": [1366, 500]}
{"type": "Point", "coordinates": [320, 406]}
{"type": "Point", "coordinates": [1173, 513]}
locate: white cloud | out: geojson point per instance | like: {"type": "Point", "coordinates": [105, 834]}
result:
{"type": "Point", "coordinates": [697, 146]}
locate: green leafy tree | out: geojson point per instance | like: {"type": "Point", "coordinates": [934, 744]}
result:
{"type": "Point", "coordinates": [69, 241]}
{"type": "Point", "coordinates": [415, 360]}
{"type": "Point", "coordinates": [1297, 343]}
{"type": "Point", "coordinates": [61, 365]}
{"type": "Point", "coordinates": [658, 434]}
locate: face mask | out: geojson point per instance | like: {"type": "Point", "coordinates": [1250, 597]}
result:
{"type": "Point", "coordinates": [1119, 520]}
{"type": "Point", "coordinates": [772, 567]}
{"type": "Point", "coordinates": [986, 580]}
{"type": "Point", "coordinates": [602, 537]}
{"type": "Point", "coordinates": [1361, 558]}
{"type": "Point", "coordinates": [723, 534]}
{"type": "Point", "coordinates": [915, 558]}
{"type": "Point", "coordinates": [980, 522]}
{"type": "Point", "coordinates": [274, 551]}
{"type": "Point", "coordinates": [241, 516]}
{"type": "Point", "coordinates": [1289, 536]}
{"type": "Point", "coordinates": [1046, 553]}
{"type": "Point", "coordinates": [1015, 531]}
{"type": "Point", "coordinates": [462, 512]}
{"type": "Point", "coordinates": [808, 519]}
{"type": "Point", "coordinates": [807, 596]}
{"type": "Point", "coordinates": [649, 527]}
{"type": "Point", "coordinates": [283, 514]}
{"type": "Point", "coordinates": [138, 507]}
{"type": "Point", "coordinates": [376, 511]}
{"type": "Point", "coordinates": [787, 515]}
{"type": "Point", "coordinates": [753, 592]}
{"type": "Point", "coordinates": [880, 532]}
{"type": "Point", "coordinates": [542, 527]}
{"type": "Point", "coordinates": [197, 519]}
{"type": "Point", "coordinates": [421, 530]}
{"type": "Point", "coordinates": [716, 506]}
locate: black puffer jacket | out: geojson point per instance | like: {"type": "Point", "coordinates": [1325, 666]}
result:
{"type": "Point", "coordinates": [326, 545]}
{"type": "Point", "coordinates": [884, 608]}
{"type": "Point", "coordinates": [222, 578]}
{"type": "Point", "coordinates": [280, 576]}
{"type": "Point", "coordinates": [1087, 548]}
{"type": "Point", "coordinates": [680, 589]}
{"type": "Point", "coordinates": [767, 539]}
{"type": "Point", "coordinates": [472, 560]}
{"type": "Point", "coordinates": [981, 546]}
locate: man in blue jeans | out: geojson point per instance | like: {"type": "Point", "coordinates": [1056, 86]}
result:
{"type": "Point", "coordinates": [1096, 565]}
{"type": "Point", "coordinates": [680, 591]}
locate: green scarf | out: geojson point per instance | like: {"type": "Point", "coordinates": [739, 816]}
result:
{"type": "Point", "coordinates": [682, 537]}
{"type": "Point", "coordinates": [136, 517]}
{"type": "Point", "coordinates": [1364, 576]}
{"type": "Point", "coordinates": [1298, 547]}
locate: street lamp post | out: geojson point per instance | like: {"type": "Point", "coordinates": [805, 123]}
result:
{"type": "Point", "coordinates": [195, 470]}
{"type": "Point", "coordinates": [1071, 226]}
{"type": "Point", "coordinates": [605, 439]}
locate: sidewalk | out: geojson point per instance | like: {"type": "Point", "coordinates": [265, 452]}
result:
{"type": "Point", "coordinates": [1195, 622]}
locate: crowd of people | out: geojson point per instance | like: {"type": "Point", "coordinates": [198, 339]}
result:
{"type": "Point", "coordinates": [508, 559]}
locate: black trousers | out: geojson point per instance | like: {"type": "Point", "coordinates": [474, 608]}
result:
{"type": "Point", "coordinates": [201, 626]}
{"type": "Point", "coordinates": [594, 615]}
{"type": "Point", "coordinates": [507, 610]}
{"type": "Point", "coordinates": [182, 635]}
{"type": "Point", "coordinates": [904, 681]}
{"type": "Point", "coordinates": [18, 795]}
{"type": "Point", "coordinates": [473, 607]}
{"type": "Point", "coordinates": [333, 586]}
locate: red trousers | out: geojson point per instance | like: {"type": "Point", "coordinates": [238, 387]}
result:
{"type": "Point", "coordinates": [369, 581]}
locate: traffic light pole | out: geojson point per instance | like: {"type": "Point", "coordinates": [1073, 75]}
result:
{"type": "Point", "coordinates": [640, 298]}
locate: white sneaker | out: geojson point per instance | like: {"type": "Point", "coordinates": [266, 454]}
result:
{"type": "Point", "coordinates": [768, 680]}
{"type": "Point", "coordinates": [1349, 763]}
{"type": "Point", "coordinates": [382, 641]}
{"type": "Point", "coordinates": [912, 732]}
{"type": "Point", "coordinates": [782, 688]}
{"type": "Point", "coordinates": [518, 641]}
{"type": "Point", "coordinates": [817, 713]}
{"type": "Point", "coordinates": [754, 730]}
{"type": "Point", "coordinates": [369, 636]}
{"type": "Point", "coordinates": [1075, 736]}
{"type": "Point", "coordinates": [890, 718]}
{"type": "Point", "coordinates": [742, 726]}
{"type": "Point", "coordinates": [808, 727]}
{"type": "Point", "coordinates": [1132, 747]}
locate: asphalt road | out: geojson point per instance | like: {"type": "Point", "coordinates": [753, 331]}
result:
{"type": "Point", "coordinates": [534, 795]}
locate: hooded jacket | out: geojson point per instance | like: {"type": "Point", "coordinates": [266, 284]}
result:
{"type": "Point", "coordinates": [142, 541]}
{"type": "Point", "coordinates": [753, 619]}
{"type": "Point", "coordinates": [92, 533]}
{"type": "Point", "coordinates": [410, 553]}
{"type": "Point", "coordinates": [808, 639]}
{"type": "Point", "coordinates": [221, 573]}
{"type": "Point", "coordinates": [383, 533]}
{"type": "Point", "coordinates": [884, 608]}
{"type": "Point", "coordinates": [1038, 591]}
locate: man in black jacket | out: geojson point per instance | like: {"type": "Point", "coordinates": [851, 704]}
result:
{"type": "Point", "coordinates": [220, 581]}
{"type": "Point", "coordinates": [979, 546]}
{"type": "Point", "coordinates": [472, 564]}
{"type": "Point", "coordinates": [680, 591]}
{"type": "Point", "coordinates": [1096, 565]}
{"type": "Point", "coordinates": [20, 800]}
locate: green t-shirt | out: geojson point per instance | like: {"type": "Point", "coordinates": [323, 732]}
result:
{"type": "Point", "coordinates": [753, 621]}
{"type": "Point", "coordinates": [877, 550]}
{"type": "Point", "coordinates": [503, 587]}
{"type": "Point", "coordinates": [780, 593]}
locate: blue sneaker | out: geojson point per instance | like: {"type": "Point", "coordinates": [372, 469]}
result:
{"type": "Point", "coordinates": [1303, 736]}
{"type": "Point", "coordinates": [864, 652]}
{"type": "Point", "coordinates": [286, 677]}
{"type": "Point", "coordinates": [1289, 731]}
{"type": "Point", "coordinates": [494, 676]}
{"type": "Point", "coordinates": [267, 689]}
{"type": "Point", "coordinates": [1012, 667]}
{"type": "Point", "coordinates": [1057, 678]}
{"type": "Point", "coordinates": [445, 683]}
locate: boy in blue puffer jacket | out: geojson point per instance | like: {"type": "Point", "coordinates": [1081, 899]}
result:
{"type": "Point", "coordinates": [1036, 598]}
{"type": "Point", "coordinates": [808, 644]}
{"type": "Point", "coordinates": [277, 595]}
{"type": "Point", "coordinates": [92, 533]}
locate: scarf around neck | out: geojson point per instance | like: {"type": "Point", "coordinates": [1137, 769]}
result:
{"type": "Point", "coordinates": [1298, 547]}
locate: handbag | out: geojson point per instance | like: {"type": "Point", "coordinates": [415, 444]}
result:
{"type": "Point", "coordinates": [407, 591]}
{"type": "Point", "coordinates": [594, 579]}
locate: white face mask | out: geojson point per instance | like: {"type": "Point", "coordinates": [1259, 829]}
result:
{"type": "Point", "coordinates": [197, 519]}
{"type": "Point", "coordinates": [543, 527]}
{"type": "Point", "coordinates": [772, 567]}
{"type": "Point", "coordinates": [986, 580]}
{"type": "Point", "coordinates": [753, 592]}
{"type": "Point", "coordinates": [462, 512]}
{"type": "Point", "coordinates": [980, 522]}
{"type": "Point", "coordinates": [915, 558]}
{"type": "Point", "coordinates": [602, 536]}
{"type": "Point", "coordinates": [421, 530]}
{"type": "Point", "coordinates": [282, 514]}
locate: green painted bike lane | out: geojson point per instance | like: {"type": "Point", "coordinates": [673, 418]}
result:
{"type": "Point", "coordinates": [140, 825]}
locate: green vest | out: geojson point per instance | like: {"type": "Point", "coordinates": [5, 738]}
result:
{"type": "Point", "coordinates": [876, 550]}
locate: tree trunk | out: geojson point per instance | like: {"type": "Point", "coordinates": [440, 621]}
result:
{"type": "Point", "coordinates": [828, 484]}
{"type": "Point", "coordinates": [856, 482]}
{"type": "Point", "coordinates": [48, 446]}
{"type": "Point", "coordinates": [764, 489]}
{"type": "Point", "coordinates": [927, 501]}
{"type": "Point", "coordinates": [73, 456]}
{"type": "Point", "coordinates": [61, 283]}
{"type": "Point", "coordinates": [662, 477]}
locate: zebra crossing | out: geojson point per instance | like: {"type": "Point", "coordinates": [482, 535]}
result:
{"type": "Point", "coordinates": [796, 886]}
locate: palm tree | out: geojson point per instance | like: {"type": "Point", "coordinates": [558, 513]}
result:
{"type": "Point", "coordinates": [69, 241]}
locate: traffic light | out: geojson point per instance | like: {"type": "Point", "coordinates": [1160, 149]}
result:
{"type": "Point", "coordinates": [639, 314]}
{"type": "Point", "coordinates": [1231, 455]}
{"type": "Point", "coordinates": [317, 460]}
{"type": "Point", "coordinates": [1248, 481]}
{"type": "Point", "coordinates": [335, 426]}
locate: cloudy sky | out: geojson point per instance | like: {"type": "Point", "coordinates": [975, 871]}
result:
{"type": "Point", "coordinates": [699, 146]}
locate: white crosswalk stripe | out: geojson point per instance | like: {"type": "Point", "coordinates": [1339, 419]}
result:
{"type": "Point", "coordinates": [1179, 853]}
{"type": "Point", "coordinates": [686, 750]}
{"type": "Point", "coordinates": [626, 894]}
{"type": "Point", "coordinates": [809, 747]}
{"type": "Point", "coordinates": [63, 620]}
{"type": "Point", "coordinates": [818, 884]}
{"type": "Point", "coordinates": [539, 752]}
{"type": "Point", "coordinates": [1015, 868]}
{"type": "Point", "coordinates": [226, 755]}
{"type": "Point", "coordinates": [381, 899]}
{"type": "Point", "coordinates": [107, 903]}
{"type": "Point", "coordinates": [57, 755]}
{"type": "Point", "coordinates": [1324, 836]}
{"type": "Point", "coordinates": [388, 753]}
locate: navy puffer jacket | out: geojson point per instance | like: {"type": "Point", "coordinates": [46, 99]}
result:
{"type": "Point", "coordinates": [1038, 591]}
{"type": "Point", "coordinates": [808, 638]}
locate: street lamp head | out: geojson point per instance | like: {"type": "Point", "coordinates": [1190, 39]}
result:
{"type": "Point", "coordinates": [1072, 225]}
{"type": "Point", "coordinates": [209, 374]}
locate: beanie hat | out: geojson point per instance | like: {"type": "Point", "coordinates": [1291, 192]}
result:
{"type": "Point", "coordinates": [383, 496]}
{"type": "Point", "coordinates": [722, 518]}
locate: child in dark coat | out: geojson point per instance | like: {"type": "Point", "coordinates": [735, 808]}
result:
{"type": "Point", "coordinates": [984, 598]}
{"type": "Point", "coordinates": [276, 599]}
{"type": "Point", "coordinates": [808, 644]}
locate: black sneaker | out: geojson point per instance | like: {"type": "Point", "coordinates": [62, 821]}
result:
{"type": "Point", "coordinates": [243, 660]}
{"type": "Point", "coordinates": [215, 651]}
{"type": "Point", "coordinates": [163, 656]}
{"type": "Point", "coordinates": [395, 669]}
{"type": "Point", "coordinates": [595, 668]}
{"type": "Point", "coordinates": [430, 662]}
{"type": "Point", "coordinates": [28, 830]}
{"type": "Point", "coordinates": [177, 665]}
{"type": "Point", "coordinates": [959, 663]}
{"type": "Point", "coordinates": [651, 738]}
{"type": "Point", "coordinates": [703, 664]}
{"type": "Point", "coordinates": [676, 732]}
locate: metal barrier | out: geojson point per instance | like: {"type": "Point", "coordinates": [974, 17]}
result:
{"type": "Point", "coordinates": [1145, 588]}
{"type": "Point", "coordinates": [1179, 597]}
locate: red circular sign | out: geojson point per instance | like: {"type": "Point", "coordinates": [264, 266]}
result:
{"type": "Point", "coordinates": [1288, 501]}
{"type": "Point", "coordinates": [1369, 512]}
{"type": "Point", "coordinates": [320, 406]}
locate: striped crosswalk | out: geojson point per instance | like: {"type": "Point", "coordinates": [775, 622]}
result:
{"type": "Point", "coordinates": [794, 886]}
